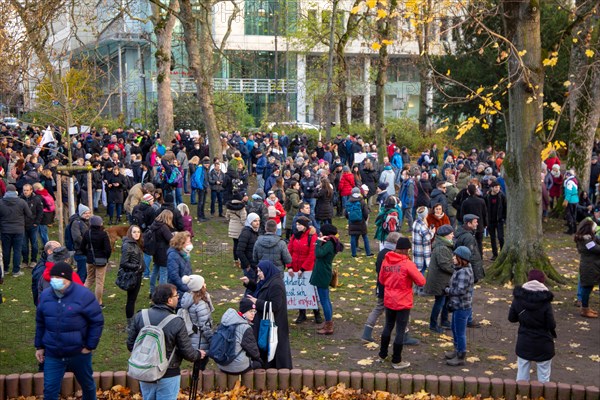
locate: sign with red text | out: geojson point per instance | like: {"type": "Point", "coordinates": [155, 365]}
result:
{"type": "Point", "coordinates": [300, 293]}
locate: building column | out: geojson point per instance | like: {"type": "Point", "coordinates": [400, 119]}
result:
{"type": "Point", "coordinates": [120, 60]}
{"type": "Point", "coordinates": [367, 92]}
{"type": "Point", "coordinates": [349, 109]}
{"type": "Point", "coordinates": [301, 88]}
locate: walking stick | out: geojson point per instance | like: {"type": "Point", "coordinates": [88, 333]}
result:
{"type": "Point", "coordinates": [194, 382]}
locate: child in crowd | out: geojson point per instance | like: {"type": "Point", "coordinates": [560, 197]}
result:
{"type": "Point", "coordinates": [199, 305]}
{"type": "Point", "coordinates": [187, 218]}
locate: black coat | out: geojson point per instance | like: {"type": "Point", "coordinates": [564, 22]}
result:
{"type": "Point", "coordinates": [324, 205]}
{"type": "Point", "coordinates": [13, 213]}
{"type": "Point", "coordinates": [496, 208]}
{"type": "Point", "coordinates": [96, 243]}
{"type": "Point", "coordinates": [370, 177]}
{"type": "Point", "coordinates": [475, 205]}
{"type": "Point", "coordinates": [358, 228]}
{"type": "Point", "coordinates": [274, 291]}
{"type": "Point", "coordinates": [589, 261]}
{"type": "Point", "coordinates": [424, 189]}
{"type": "Point", "coordinates": [177, 217]}
{"type": "Point", "coordinates": [37, 210]}
{"type": "Point", "coordinates": [533, 311]}
{"type": "Point", "coordinates": [245, 247]}
{"type": "Point", "coordinates": [115, 194]}
{"type": "Point", "coordinates": [163, 235]}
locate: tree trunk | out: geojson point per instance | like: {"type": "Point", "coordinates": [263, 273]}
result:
{"type": "Point", "coordinates": [523, 249]}
{"type": "Point", "coordinates": [584, 95]}
{"type": "Point", "coordinates": [330, 61]}
{"type": "Point", "coordinates": [197, 37]}
{"type": "Point", "coordinates": [424, 76]}
{"type": "Point", "coordinates": [164, 22]}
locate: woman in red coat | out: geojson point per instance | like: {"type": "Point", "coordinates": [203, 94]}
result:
{"type": "Point", "coordinates": [302, 249]}
{"type": "Point", "coordinates": [346, 184]}
{"type": "Point", "coordinates": [276, 210]}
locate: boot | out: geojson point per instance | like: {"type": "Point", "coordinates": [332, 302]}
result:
{"type": "Point", "coordinates": [570, 229]}
{"type": "Point", "coordinates": [301, 317]}
{"type": "Point", "coordinates": [367, 335]}
{"type": "Point", "coordinates": [327, 328]}
{"type": "Point", "coordinates": [129, 326]}
{"type": "Point", "coordinates": [448, 355]}
{"type": "Point", "coordinates": [318, 317]}
{"type": "Point", "coordinates": [409, 340]}
{"type": "Point", "coordinates": [588, 312]}
{"type": "Point", "coordinates": [458, 360]}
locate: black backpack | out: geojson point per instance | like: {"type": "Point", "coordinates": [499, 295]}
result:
{"type": "Point", "coordinates": [222, 345]}
{"type": "Point", "coordinates": [138, 218]}
{"type": "Point", "coordinates": [150, 241]}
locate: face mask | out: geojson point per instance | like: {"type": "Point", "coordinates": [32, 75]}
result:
{"type": "Point", "coordinates": [57, 283]}
{"type": "Point", "coordinates": [189, 248]}
{"type": "Point", "coordinates": [433, 175]}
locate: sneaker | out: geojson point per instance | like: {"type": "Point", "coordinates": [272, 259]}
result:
{"type": "Point", "coordinates": [436, 329]}
{"type": "Point", "coordinates": [33, 264]}
{"type": "Point", "coordinates": [401, 365]}
{"type": "Point", "coordinates": [379, 360]}
{"type": "Point", "coordinates": [474, 324]}
{"type": "Point", "coordinates": [146, 278]}
{"type": "Point", "coordinates": [16, 275]}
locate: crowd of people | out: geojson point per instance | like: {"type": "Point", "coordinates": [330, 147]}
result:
{"type": "Point", "coordinates": [450, 201]}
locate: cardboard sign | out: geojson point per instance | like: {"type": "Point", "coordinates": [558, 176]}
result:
{"type": "Point", "coordinates": [300, 293]}
{"type": "Point", "coordinates": [73, 130]}
{"type": "Point", "coordinates": [85, 129]}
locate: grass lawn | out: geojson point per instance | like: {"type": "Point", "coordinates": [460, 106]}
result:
{"type": "Point", "coordinates": [491, 347]}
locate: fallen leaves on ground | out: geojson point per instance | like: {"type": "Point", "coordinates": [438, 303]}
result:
{"type": "Point", "coordinates": [473, 359]}
{"type": "Point", "coordinates": [595, 357]}
{"type": "Point", "coordinates": [499, 358]}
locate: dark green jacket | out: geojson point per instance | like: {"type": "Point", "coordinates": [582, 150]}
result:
{"type": "Point", "coordinates": [321, 274]}
{"type": "Point", "coordinates": [440, 268]}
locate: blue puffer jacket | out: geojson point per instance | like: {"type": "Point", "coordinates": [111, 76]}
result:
{"type": "Point", "coordinates": [177, 266]}
{"type": "Point", "coordinates": [67, 325]}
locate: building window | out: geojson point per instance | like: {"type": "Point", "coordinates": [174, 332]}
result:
{"type": "Point", "coordinates": [269, 18]}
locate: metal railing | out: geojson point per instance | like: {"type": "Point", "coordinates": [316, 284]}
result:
{"type": "Point", "coordinates": [238, 85]}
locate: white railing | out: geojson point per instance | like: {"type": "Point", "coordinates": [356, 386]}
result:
{"type": "Point", "coordinates": [236, 85]}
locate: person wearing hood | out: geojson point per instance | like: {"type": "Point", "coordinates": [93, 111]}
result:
{"type": "Point", "coordinates": [357, 213]}
{"type": "Point", "coordinates": [132, 261]}
{"type": "Point", "coordinates": [13, 213]}
{"type": "Point", "coordinates": [328, 245]}
{"type": "Point", "coordinates": [97, 248]}
{"type": "Point", "coordinates": [398, 274]}
{"type": "Point", "coordinates": [571, 187]}
{"type": "Point", "coordinates": [441, 268]}
{"type": "Point", "coordinates": [269, 288]}
{"type": "Point", "coordinates": [346, 185]}
{"type": "Point", "coordinates": [388, 177]}
{"type": "Point", "coordinates": [271, 247]}
{"type": "Point", "coordinates": [554, 182]}
{"type": "Point", "coordinates": [532, 309]}
{"type": "Point", "coordinates": [245, 247]}
{"type": "Point", "coordinates": [56, 253]}
{"type": "Point", "coordinates": [49, 208]}
{"type": "Point", "coordinates": [275, 210]}
{"type": "Point", "coordinates": [236, 214]}
{"type": "Point", "coordinates": [257, 206]}
{"type": "Point", "coordinates": [178, 261]}
{"type": "Point", "coordinates": [199, 305]}
{"type": "Point", "coordinates": [248, 356]}
{"type": "Point", "coordinates": [460, 302]}
{"type": "Point", "coordinates": [38, 270]}
{"type": "Point", "coordinates": [69, 325]}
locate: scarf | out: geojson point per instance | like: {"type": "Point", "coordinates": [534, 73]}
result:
{"type": "Point", "coordinates": [269, 271]}
{"type": "Point", "coordinates": [338, 247]}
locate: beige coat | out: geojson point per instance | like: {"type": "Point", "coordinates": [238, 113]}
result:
{"type": "Point", "coordinates": [134, 197]}
{"type": "Point", "coordinates": [237, 219]}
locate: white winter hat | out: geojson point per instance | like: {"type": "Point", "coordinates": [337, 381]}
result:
{"type": "Point", "coordinates": [193, 282]}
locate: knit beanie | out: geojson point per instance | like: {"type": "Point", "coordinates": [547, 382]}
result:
{"type": "Point", "coordinates": [422, 212]}
{"type": "Point", "coordinates": [193, 282]}
{"type": "Point", "coordinates": [304, 222]}
{"type": "Point", "coordinates": [246, 305]}
{"type": "Point", "coordinates": [62, 270]}
{"type": "Point", "coordinates": [536, 275]}
{"type": "Point", "coordinates": [82, 209]}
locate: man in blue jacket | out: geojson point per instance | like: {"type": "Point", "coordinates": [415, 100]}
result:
{"type": "Point", "coordinates": [69, 324]}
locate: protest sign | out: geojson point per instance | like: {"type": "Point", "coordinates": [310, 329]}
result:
{"type": "Point", "coordinates": [300, 293]}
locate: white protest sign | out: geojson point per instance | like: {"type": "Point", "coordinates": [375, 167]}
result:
{"type": "Point", "coordinates": [85, 129]}
{"type": "Point", "coordinates": [194, 134]}
{"type": "Point", "coordinates": [300, 293]}
{"type": "Point", "coordinates": [359, 157]}
{"type": "Point", "coordinates": [73, 130]}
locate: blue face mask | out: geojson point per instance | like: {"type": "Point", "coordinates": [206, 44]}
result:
{"type": "Point", "coordinates": [433, 175]}
{"type": "Point", "coordinates": [57, 283]}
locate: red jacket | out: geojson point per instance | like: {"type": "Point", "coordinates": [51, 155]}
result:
{"type": "Point", "coordinates": [279, 207]}
{"type": "Point", "coordinates": [46, 274]}
{"type": "Point", "coordinates": [302, 252]}
{"type": "Point", "coordinates": [346, 184]}
{"type": "Point", "coordinates": [397, 275]}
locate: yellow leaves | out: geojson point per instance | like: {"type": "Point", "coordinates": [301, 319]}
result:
{"type": "Point", "coordinates": [473, 359]}
{"type": "Point", "coordinates": [479, 90]}
{"type": "Point", "coordinates": [376, 46]}
{"type": "Point", "coordinates": [555, 107]}
{"type": "Point", "coordinates": [575, 40]}
{"type": "Point", "coordinates": [550, 147]}
{"type": "Point", "coordinates": [497, 358]}
{"type": "Point", "coordinates": [567, 83]}
{"type": "Point", "coordinates": [485, 322]}
{"type": "Point", "coordinates": [365, 361]}
{"type": "Point", "coordinates": [441, 130]}
{"type": "Point", "coordinates": [552, 60]}
{"type": "Point", "coordinates": [595, 358]}
{"type": "Point", "coordinates": [371, 3]}
{"type": "Point", "coordinates": [522, 53]}
{"type": "Point", "coordinates": [574, 345]}
{"type": "Point", "coordinates": [355, 10]}
{"type": "Point", "coordinates": [381, 14]}
{"type": "Point", "coordinates": [503, 55]}
{"type": "Point", "coordinates": [485, 125]}
{"type": "Point", "coordinates": [589, 53]}
{"type": "Point", "coordinates": [529, 100]}
{"type": "Point", "coordinates": [387, 42]}
{"type": "Point", "coordinates": [448, 73]}
{"type": "Point", "coordinates": [372, 346]}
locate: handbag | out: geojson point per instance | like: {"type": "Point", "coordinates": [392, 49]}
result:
{"type": "Point", "coordinates": [334, 278]}
{"type": "Point", "coordinates": [126, 280]}
{"type": "Point", "coordinates": [100, 261]}
{"type": "Point", "coordinates": [263, 330]}
{"type": "Point", "coordinates": [273, 338]}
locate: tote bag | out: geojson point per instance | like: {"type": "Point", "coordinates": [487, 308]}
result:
{"type": "Point", "coordinates": [263, 330]}
{"type": "Point", "coordinates": [273, 340]}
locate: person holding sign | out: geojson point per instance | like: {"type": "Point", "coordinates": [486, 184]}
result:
{"type": "Point", "coordinates": [328, 245]}
{"type": "Point", "coordinates": [302, 250]}
{"type": "Point", "coordinates": [269, 288]}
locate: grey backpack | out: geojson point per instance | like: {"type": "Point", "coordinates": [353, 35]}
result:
{"type": "Point", "coordinates": [148, 361]}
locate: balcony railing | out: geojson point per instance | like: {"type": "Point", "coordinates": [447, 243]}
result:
{"type": "Point", "coordinates": [238, 85]}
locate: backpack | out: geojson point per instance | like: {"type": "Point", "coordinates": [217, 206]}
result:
{"type": "Point", "coordinates": [148, 361]}
{"type": "Point", "coordinates": [184, 313]}
{"type": "Point", "coordinates": [198, 178]}
{"type": "Point", "coordinates": [421, 160]}
{"type": "Point", "coordinates": [390, 224]}
{"type": "Point", "coordinates": [150, 242]}
{"type": "Point", "coordinates": [138, 218]}
{"type": "Point", "coordinates": [69, 243]}
{"type": "Point", "coordinates": [159, 178]}
{"type": "Point", "coordinates": [354, 209]}
{"type": "Point", "coordinates": [175, 177]}
{"type": "Point", "coordinates": [222, 345]}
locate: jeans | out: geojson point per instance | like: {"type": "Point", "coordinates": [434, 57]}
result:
{"type": "Point", "coordinates": [148, 263]}
{"type": "Point", "coordinates": [398, 318]}
{"type": "Point", "coordinates": [459, 329]}
{"type": "Point", "coordinates": [407, 213]}
{"type": "Point", "coordinates": [43, 229]}
{"type": "Point", "coordinates": [163, 389]}
{"type": "Point", "coordinates": [30, 236]}
{"type": "Point", "coordinates": [354, 244]}
{"type": "Point", "coordinates": [543, 370]}
{"type": "Point", "coordinates": [376, 312]}
{"type": "Point", "coordinates": [325, 303]}
{"type": "Point", "coordinates": [95, 277]}
{"type": "Point", "coordinates": [201, 202]}
{"type": "Point", "coordinates": [260, 181]}
{"type": "Point", "coordinates": [214, 195]}
{"type": "Point", "coordinates": [160, 273]}
{"type": "Point", "coordinates": [496, 230]}
{"type": "Point", "coordinates": [313, 203]}
{"type": "Point", "coordinates": [80, 365]}
{"type": "Point", "coordinates": [178, 196]}
{"type": "Point", "coordinates": [344, 201]}
{"type": "Point", "coordinates": [185, 180]}
{"type": "Point", "coordinates": [12, 242]}
{"type": "Point", "coordinates": [111, 210]}
{"type": "Point", "coordinates": [438, 306]}
{"type": "Point", "coordinates": [96, 198]}
{"type": "Point", "coordinates": [585, 295]}
{"type": "Point", "coordinates": [81, 262]}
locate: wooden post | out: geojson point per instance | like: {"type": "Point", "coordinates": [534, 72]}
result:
{"type": "Point", "coordinates": [59, 211]}
{"type": "Point", "coordinates": [90, 193]}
